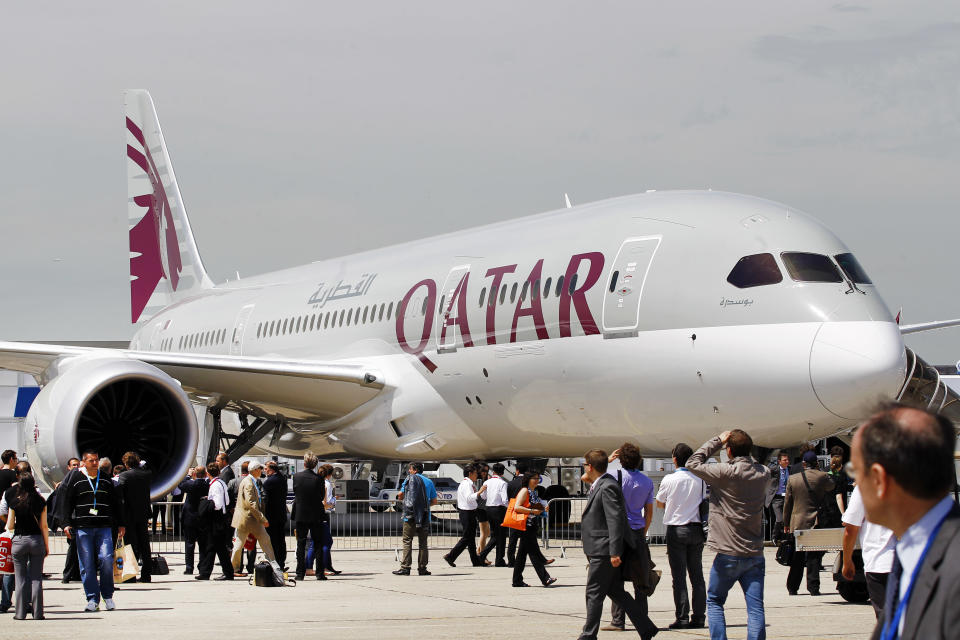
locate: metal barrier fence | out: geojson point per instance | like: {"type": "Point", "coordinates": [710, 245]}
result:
{"type": "Point", "coordinates": [356, 525]}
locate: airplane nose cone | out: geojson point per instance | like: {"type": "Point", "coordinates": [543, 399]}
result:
{"type": "Point", "coordinates": [855, 365]}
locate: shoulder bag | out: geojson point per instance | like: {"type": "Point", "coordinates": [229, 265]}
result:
{"type": "Point", "coordinates": [513, 519]}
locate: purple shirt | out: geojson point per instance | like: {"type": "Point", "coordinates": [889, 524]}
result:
{"type": "Point", "coordinates": [637, 493]}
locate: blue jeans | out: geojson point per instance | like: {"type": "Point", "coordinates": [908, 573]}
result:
{"type": "Point", "coordinates": [327, 544]}
{"type": "Point", "coordinates": [727, 571]}
{"type": "Point", "coordinates": [95, 548]}
{"type": "Point", "coordinates": [6, 591]}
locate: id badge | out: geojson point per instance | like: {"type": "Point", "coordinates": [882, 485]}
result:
{"type": "Point", "coordinates": [93, 511]}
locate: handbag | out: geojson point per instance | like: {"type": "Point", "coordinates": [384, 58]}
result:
{"type": "Point", "coordinates": [158, 565]}
{"type": "Point", "coordinates": [513, 519]}
{"type": "Point", "coordinates": [6, 553]}
{"type": "Point", "coordinates": [825, 520]}
{"type": "Point", "coordinates": [786, 551]}
{"type": "Point", "coordinates": [124, 562]}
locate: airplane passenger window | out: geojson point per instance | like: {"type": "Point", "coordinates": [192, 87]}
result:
{"type": "Point", "coordinates": [546, 288]}
{"type": "Point", "coordinates": [342, 315]}
{"type": "Point", "coordinates": [613, 281]}
{"type": "Point", "coordinates": [272, 327]}
{"type": "Point", "coordinates": [390, 310]}
{"type": "Point", "coordinates": [366, 310]}
{"type": "Point", "coordinates": [326, 320]}
{"type": "Point", "coordinates": [851, 267]}
{"type": "Point", "coordinates": [513, 292]}
{"type": "Point", "coordinates": [440, 309]}
{"type": "Point", "coordinates": [297, 330]}
{"type": "Point", "coordinates": [559, 285]}
{"type": "Point", "coordinates": [810, 267]}
{"type": "Point", "coordinates": [573, 283]}
{"type": "Point", "coordinates": [483, 294]}
{"type": "Point", "coordinates": [423, 311]}
{"type": "Point", "coordinates": [492, 300]}
{"type": "Point", "coordinates": [284, 332]}
{"type": "Point", "coordinates": [349, 317]}
{"type": "Point", "coordinates": [755, 271]}
{"type": "Point", "coordinates": [523, 292]}
{"type": "Point", "coordinates": [382, 307]}
{"type": "Point", "coordinates": [535, 292]}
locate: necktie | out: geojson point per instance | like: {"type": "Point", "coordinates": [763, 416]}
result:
{"type": "Point", "coordinates": [892, 598]}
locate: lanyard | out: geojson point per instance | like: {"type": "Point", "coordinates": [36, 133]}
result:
{"type": "Point", "coordinates": [891, 630]}
{"type": "Point", "coordinates": [95, 488]}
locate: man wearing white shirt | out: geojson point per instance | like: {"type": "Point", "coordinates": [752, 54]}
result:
{"type": "Point", "coordinates": [217, 529]}
{"type": "Point", "coordinates": [876, 543]}
{"type": "Point", "coordinates": [467, 507]}
{"type": "Point", "coordinates": [902, 460]}
{"type": "Point", "coordinates": [680, 496]}
{"type": "Point", "coordinates": [495, 489]}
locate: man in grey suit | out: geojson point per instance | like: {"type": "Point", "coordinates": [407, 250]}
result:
{"type": "Point", "coordinates": [888, 452]}
{"type": "Point", "coordinates": [606, 534]}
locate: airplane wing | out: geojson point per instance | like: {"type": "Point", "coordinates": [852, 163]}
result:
{"type": "Point", "coordinates": [928, 326]}
{"type": "Point", "coordinates": [305, 389]}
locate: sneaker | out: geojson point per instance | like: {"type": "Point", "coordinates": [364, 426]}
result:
{"type": "Point", "coordinates": [423, 572]}
{"type": "Point", "coordinates": [92, 605]}
{"type": "Point", "coordinates": [402, 572]}
{"type": "Point", "coordinates": [108, 602]}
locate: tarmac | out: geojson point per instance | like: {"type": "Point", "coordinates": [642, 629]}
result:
{"type": "Point", "coordinates": [367, 601]}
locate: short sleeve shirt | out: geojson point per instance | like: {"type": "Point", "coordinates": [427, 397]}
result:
{"type": "Point", "coordinates": [876, 542]}
{"type": "Point", "coordinates": [637, 492]}
{"type": "Point", "coordinates": [681, 492]}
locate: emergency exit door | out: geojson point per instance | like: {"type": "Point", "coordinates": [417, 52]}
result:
{"type": "Point", "coordinates": [624, 286]}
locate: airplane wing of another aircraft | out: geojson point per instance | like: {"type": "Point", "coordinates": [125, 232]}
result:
{"type": "Point", "coordinates": [302, 388]}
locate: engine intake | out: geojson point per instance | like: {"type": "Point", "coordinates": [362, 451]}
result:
{"type": "Point", "coordinates": [113, 405]}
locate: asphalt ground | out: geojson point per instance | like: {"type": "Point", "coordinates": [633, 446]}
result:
{"type": "Point", "coordinates": [367, 601]}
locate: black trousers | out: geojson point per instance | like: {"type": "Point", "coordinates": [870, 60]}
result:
{"type": "Point", "coordinates": [215, 541]}
{"type": "Point", "coordinates": [468, 539]}
{"type": "Point", "coordinates": [309, 530]}
{"type": "Point", "coordinates": [514, 538]}
{"type": "Point", "coordinates": [877, 588]}
{"type": "Point", "coordinates": [136, 536]}
{"type": "Point", "coordinates": [776, 508]}
{"type": "Point", "coordinates": [278, 538]}
{"type": "Point", "coordinates": [617, 613]}
{"type": "Point", "coordinates": [498, 533]}
{"type": "Point", "coordinates": [191, 538]}
{"type": "Point", "coordinates": [605, 581]}
{"type": "Point", "coordinates": [71, 565]}
{"type": "Point", "coordinates": [685, 554]}
{"type": "Point", "coordinates": [810, 560]}
{"type": "Point", "coordinates": [528, 547]}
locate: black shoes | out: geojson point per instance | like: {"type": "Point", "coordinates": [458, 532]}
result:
{"type": "Point", "coordinates": [501, 564]}
{"type": "Point", "coordinates": [815, 592]}
{"type": "Point", "coordinates": [201, 577]}
{"type": "Point", "coordinates": [299, 577]}
{"type": "Point", "coordinates": [320, 576]}
{"type": "Point", "coordinates": [147, 580]}
{"type": "Point", "coordinates": [334, 572]}
{"type": "Point", "coordinates": [792, 592]}
{"type": "Point", "coordinates": [679, 624]}
{"type": "Point", "coordinates": [402, 572]}
{"type": "Point", "coordinates": [422, 572]}
{"type": "Point", "coordinates": [188, 572]}
{"type": "Point", "coordinates": [449, 561]}
{"type": "Point", "coordinates": [520, 584]}
{"type": "Point", "coordinates": [549, 582]}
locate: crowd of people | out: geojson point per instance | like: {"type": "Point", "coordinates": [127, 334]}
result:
{"type": "Point", "coordinates": [906, 523]}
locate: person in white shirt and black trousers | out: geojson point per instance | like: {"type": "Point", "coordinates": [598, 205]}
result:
{"type": "Point", "coordinates": [215, 525]}
{"type": "Point", "coordinates": [467, 506]}
{"type": "Point", "coordinates": [680, 496]}
{"type": "Point", "coordinates": [496, 496]}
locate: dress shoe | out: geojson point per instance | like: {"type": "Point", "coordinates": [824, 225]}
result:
{"type": "Point", "coordinates": [188, 572]}
{"type": "Point", "coordinates": [792, 592]}
{"type": "Point", "coordinates": [333, 572]}
{"type": "Point", "coordinates": [679, 624]}
{"type": "Point", "coordinates": [549, 582]}
{"type": "Point", "coordinates": [612, 627]}
{"type": "Point", "coordinates": [299, 578]}
{"type": "Point", "coordinates": [550, 561]}
{"type": "Point", "coordinates": [500, 564]}
{"type": "Point", "coordinates": [520, 584]}
{"type": "Point", "coordinates": [449, 561]}
{"type": "Point", "coordinates": [647, 636]}
{"type": "Point", "coordinates": [423, 572]}
{"type": "Point", "coordinates": [320, 576]}
{"type": "Point", "coordinates": [697, 624]}
{"type": "Point", "coordinates": [224, 577]}
{"type": "Point", "coordinates": [402, 572]}
{"type": "Point", "coordinates": [201, 577]}
{"type": "Point", "coordinates": [815, 593]}
{"type": "Point", "coordinates": [147, 580]}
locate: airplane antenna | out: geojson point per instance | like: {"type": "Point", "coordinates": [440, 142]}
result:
{"type": "Point", "coordinates": [566, 199]}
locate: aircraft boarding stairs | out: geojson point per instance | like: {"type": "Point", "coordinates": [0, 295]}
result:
{"type": "Point", "coordinates": [924, 387]}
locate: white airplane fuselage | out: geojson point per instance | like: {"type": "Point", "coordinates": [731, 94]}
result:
{"type": "Point", "coordinates": [672, 353]}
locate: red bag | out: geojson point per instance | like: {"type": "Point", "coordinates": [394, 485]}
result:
{"type": "Point", "coordinates": [513, 519]}
{"type": "Point", "coordinates": [250, 544]}
{"type": "Point", "coordinates": [6, 555]}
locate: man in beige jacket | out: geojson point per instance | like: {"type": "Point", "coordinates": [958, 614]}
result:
{"type": "Point", "coordinates": [805, 492]}
{"type": "Point", "coordinates": [248, 518]}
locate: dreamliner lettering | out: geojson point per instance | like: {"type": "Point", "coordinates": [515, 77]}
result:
{"type": "Point", "coordinates": [455, 317]}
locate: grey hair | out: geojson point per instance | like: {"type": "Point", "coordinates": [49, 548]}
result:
{"type": "Point", "coordinates": [310, 460]}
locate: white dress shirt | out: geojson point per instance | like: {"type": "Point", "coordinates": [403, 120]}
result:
{"type": "Point", "coordinates": [876, 542]}
{"type": "Point", "coordinates": [330, 495]}
{"type": "Point", "coordinates": [912, 544]}
{"type": "Point", "coordinates": [496, 494]}
{"type": "Point", "coordinates": [218, 493]}
{"type": "Point", "coordinates": [466, 496]}
{"type": "Point", "coordinates": [681, 492]}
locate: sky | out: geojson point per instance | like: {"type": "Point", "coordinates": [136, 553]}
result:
{"type": "Point", "coordinates": [306, 130]}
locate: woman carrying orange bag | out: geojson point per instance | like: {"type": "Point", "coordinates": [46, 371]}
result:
{"type": "Point", "coordinates": [528, 503]}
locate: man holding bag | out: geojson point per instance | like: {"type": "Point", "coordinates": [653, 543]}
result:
{"type": "Point", "coordinates": [417, 494]}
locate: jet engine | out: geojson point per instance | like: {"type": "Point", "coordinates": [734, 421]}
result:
{"type": "Point", "coordinates": [112, 405]}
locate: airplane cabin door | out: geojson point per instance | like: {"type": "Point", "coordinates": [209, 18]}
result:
{"type": "Point", "coordinates": [236, 340]}
{"type": "Point", "coordinates": [448, 329]}
{"type": "Point", "coordinates": [627, 275]}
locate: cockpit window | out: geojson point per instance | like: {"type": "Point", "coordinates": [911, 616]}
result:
{"type": "Point", "coordinates": [852, 268]}
{"type": "Point", "coordinates": [810, 267]}
{"type": "Point", "coordinates": [755, 271]}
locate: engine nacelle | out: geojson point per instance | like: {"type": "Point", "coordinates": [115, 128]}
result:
{"type": "Point", "coordinates": [112, 405]}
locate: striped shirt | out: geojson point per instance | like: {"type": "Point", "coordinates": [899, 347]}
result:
{"type": "Point", "coordinates": [88, 511]}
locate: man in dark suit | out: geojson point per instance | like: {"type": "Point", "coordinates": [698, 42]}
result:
{"type": "Point", "coordinates": [779, 474]}
{"type": "Point", "coordinates": [134, 486]}
{"type": "Point", "coordinates": [308, 514]}
{"type": "Point", "coordinates": [195, 489]}
{"type": "Point", "coordinates": [806, 491]}
{"type": "Point", "coordinates": [71, 564]}
{"type": "Point", "coordinates": [923, 587]}
{"type": "Point", "coordinates": [275, 509]}
{"type": "Point", "coordinates": [226, 471]}
{"type": "Point", "coordinates": [513, 488]}
{"type": "Point", "coordinates": [606, 534]}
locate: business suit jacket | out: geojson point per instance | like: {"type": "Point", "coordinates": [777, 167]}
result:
{"type": "Point", "coordinates": [799, 507]}
{"type": "Point", "coordinates": [275, 499]}
{"type": "Point", "coordinates": [604, 524]}
{"type": "Point", "coordinates": [226, 474]}
{"type": "Point", "coordinates": [134, 486]}
{"type": "Point", "coordinates": [309, 492]}
{"type": "Point", "coordinates": [514, 486]}
{"type": "Point", "coordinates": [774, 483]}
{"type": "Point", "coordinates": [194, 491]}
{"type": "Point", "coordinates": [249, 509]}
{"type": "Point", "coordinates": [932, 613]}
